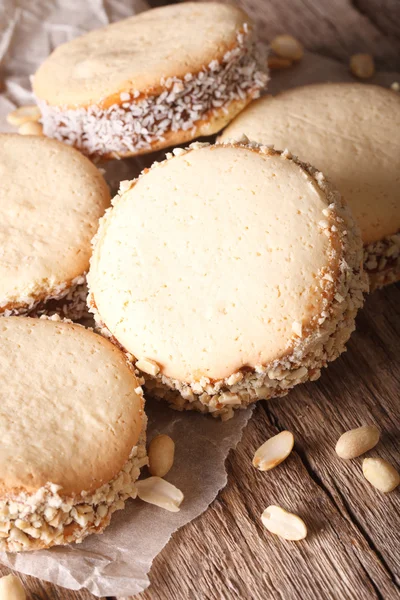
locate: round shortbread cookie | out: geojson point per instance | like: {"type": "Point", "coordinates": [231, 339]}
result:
{"type": "Point", "coordinates": [160, 78]}
{"type": "Point", "coordinates": [230, 273]}
{"type": "Point", "coordinates": [51, 199]}
{"type": "Point", "coordinates": [72, 430]}
{"type": "Point", "coordinates": [351, 132]}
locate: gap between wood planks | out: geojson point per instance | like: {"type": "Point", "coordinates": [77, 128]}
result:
{"type": "Point", "coordinates": [342, 506]}
{"type": "Point", "coordinates": [353, 545]}
{"type": "Point", "coordinates": [352, 548]}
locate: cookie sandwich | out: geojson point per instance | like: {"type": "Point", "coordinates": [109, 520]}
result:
{"type": "Point", "coordinates": [154, 80]}
{"type": "Point", "coordinates": [72, 432]}
{"type": "Point", "coordinates": [351, 132]}
{"type": "Point", "coordinates": [51, 199]}
{"type": "Point", "coordinates": [229, 272]}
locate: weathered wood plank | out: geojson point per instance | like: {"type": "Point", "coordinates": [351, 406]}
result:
{"type": "Point", "coordinates": [361, 387]}
{"type": "Point", "coordinates": [383, 14]}
{"type": "Point", "coordinates": [335, 28]}
{"type": "Point", "coordinates": [353, 547]}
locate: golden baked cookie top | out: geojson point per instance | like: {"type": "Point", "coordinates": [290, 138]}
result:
{"type": "Point", "coordinates": [138, 53]}
{"type": "Point", "coordinates": [350, 131]}
{"type": "Point", "coordinates": [51, 198]}
{"type": "Point", "coordinates": [69, 411]}
{"type": "Point", "coordinates": [217, 259]}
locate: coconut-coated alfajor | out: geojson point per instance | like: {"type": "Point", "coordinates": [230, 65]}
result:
{"type": "Point", "coordinates": [72, 432]}
{"type": "Point", "coordinates": [51, 199]}
{"type": "Point", "coordinates": [350, 131]}
{"type": "Point", "coordinates": [230, 272]}
{"type": "Point", "coordinates": [157, 79]}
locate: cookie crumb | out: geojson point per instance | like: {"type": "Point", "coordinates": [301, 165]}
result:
{"type": "Point", "coordinates": [297, 328]}
{"type": "Point", "coordinates": [148, 366]}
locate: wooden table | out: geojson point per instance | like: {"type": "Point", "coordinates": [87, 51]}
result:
{"type": "Point", "coordinates": [353, 549]}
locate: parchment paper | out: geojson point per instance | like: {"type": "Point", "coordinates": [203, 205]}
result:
{"type": "Point", "coordinates": [118, 562]}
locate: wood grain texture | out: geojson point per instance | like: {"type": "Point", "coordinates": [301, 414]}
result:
{"type": "Point", "coordinates": [353, 544]}
{"type": "Point", "coordinates": [384, 15]}
{"type": "Point", "coordinates": [353, 548]}
{"type": "Point", "coordinates": [335, 28]}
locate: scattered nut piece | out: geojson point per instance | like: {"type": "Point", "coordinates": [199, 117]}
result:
{"type": "Point", "coordinates": [362, 65]}
{"type": "Point", "coordinates": [30, 128]}
{"type": "Point", "coordinates": [155, 490]}
{"type": "Point", "coordinates": [234, 378]}
{"type": "Point", "coordinates": [273, 451]}
{"type": "Point", "coordinates": [381, 474]}
{"type": "Point", "coordinates": [148, 366]}
{"type": "Point", "coordinates": [124, 186]}
{"type": "Point", "coordinates": [286, 46]}
{"type": "Point", "coordinates": [275, 63]}
{"type": "Point", "coordinates": [161, 455]}
{"type": "Point", "coordinates": [11, 588]}
{"type": "Point", "coordinates": [297, 328]}
{"type": "Point", "coordinates": [229, 399]}
{"type": "Point", "coordinates": [395, 86]}
{"type": "Point", "coordinates": [24, 114]}
{"type": "Point", "coordinates": [283, 523]}
{"type": "Point", "coordinates": [355, 442]}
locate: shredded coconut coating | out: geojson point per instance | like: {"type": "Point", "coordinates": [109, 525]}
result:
{"type": "Point", "coordinates": [68, 301]}
{"type": "Point", "coordinates": [323, 342]}
{"type": "Point", "coordinates": [382, 261]}
{"type": "Point", "coordinates": [138, 123]}
{"type": "Point", "coordinates": [47, 518]}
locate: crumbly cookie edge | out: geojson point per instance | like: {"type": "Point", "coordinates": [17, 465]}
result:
{"type": "Point", "coordinates": [84, 127]}
{"type": "Point", "coordinates": [382, 261]}
{"type": "Point", "coordinates": [333, 329]}
{"type": "Point", "coordinates": [68, 300]}
{"type": "Point", "coordinates": [46, 518]}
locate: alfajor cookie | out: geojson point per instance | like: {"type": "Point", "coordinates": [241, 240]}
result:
{"type": "Point", "coordinates": [72, 432]}
{"type": "Point", "coordinates": [157, 79]}
{"type": "Point", "coordinates": [230, 273]}
{"type": "Point", "coordinates": [351, 132]}
{"type": "Point", "coordinates": [51, 198]}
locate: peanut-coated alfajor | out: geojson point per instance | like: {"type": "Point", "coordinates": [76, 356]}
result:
{"type": "Point", "coordinates": [51, 199]}
{"type": "Point", "coordinates": [156, 79]}
{"type": "Point", "coordinates": [350, 131]}
{"type": "Point", "coordinates": [72, 432]}
{"type": "Point", "coordinates": [229, 272]}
